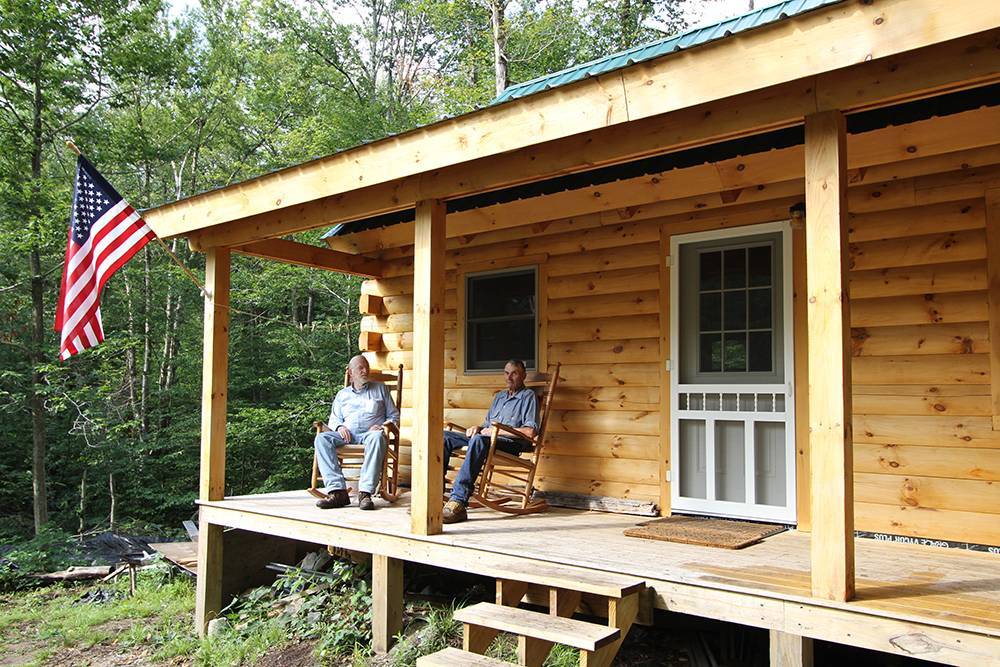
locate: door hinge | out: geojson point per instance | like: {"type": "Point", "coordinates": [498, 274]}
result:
{"type": "Point", "coordinates": [667, 260]}
{"type": "Point", "coordinates": [668, 475]}
{"type": "Point", "coordinates": [666, 365]}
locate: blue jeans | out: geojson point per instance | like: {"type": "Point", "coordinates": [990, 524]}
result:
{"type": "Point", "coordinates": [327, 443]}
{"type": "Point", "coordinates": [475, 458]}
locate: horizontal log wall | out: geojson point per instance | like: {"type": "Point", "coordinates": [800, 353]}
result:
{"type": "Point", "coordinates": [927, 462]}
{"type": "Point", "coordinates": [926, 454]}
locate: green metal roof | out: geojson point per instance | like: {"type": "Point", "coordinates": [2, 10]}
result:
{"type": "Point", "coordinates": [685, 40]}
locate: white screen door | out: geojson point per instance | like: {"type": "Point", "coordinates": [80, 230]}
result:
{"type": "Point", "coordinates": [732, 431]}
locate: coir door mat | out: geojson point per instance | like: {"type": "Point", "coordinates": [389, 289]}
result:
{"type": "Point", "coordinates": [706, 532]}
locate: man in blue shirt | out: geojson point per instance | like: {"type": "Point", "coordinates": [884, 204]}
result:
{"type": "Point", "coordinates": [358, 413]}
{"type": "Point", "coordinates": [515, 406]}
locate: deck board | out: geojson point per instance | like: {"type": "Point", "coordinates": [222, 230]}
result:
{"type": "Point", "coordinates": [947, 588]}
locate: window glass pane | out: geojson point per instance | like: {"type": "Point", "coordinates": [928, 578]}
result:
{"type": "Point", "coordinates": [734, 352]}
{"type": "Point", "coordinates": [760, 266]}
{"type": "Point", "coordinates": [500, 319]}
{"type": "Point", "coordinates": [735, 310]}
{"type": "Point", "coordinates": [503, 294]}
{"type": "Point", "coordinates": [710, 270]}
{"type": "Point", "coordinates": [760, 308]}
{"type": "Point", "coordinates": [710, 312]}
{"type": "Point", "coordinates": [735, 272]}
{"type": "Point", "coordinates": [492, 344]}
{"type": "Point", "coordinates": [760, 355]}
{"type": "Point", "coordinates": [710, 360]}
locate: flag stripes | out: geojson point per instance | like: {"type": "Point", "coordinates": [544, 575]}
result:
{"type": "Point", "coordinates": [105, 232]}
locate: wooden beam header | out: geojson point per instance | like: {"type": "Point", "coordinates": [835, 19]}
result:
{"type": "Point", "coordinates": [422, 163]}
{"type": "Point", "coordinates": [315, 257]}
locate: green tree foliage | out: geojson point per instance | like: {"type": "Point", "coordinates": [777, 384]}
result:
{"type": "Point", "coordinates": [168, 106]}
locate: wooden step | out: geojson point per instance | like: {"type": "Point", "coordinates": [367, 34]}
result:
{"type": "Point", "coordinates": [456, 657]}
{"type": "Point", "coordinates": [578, 634]}
{"type": "Point", "coordinates": [607, 584]}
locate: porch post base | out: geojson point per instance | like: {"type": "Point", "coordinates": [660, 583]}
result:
{"type": "Point", "coordinates": [788, 650]}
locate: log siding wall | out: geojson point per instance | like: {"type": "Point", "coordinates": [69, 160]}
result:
{"type": "Point", "coordinates": [927, 461]}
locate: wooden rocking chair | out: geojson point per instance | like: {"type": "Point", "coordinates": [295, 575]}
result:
{"type": "Point", "coordinates": [352, 456]}
{"type": "Point", "coordinates": [512, 492]}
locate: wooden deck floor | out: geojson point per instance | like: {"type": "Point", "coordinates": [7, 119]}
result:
{"type": "Point", "coordinates": [940, 604]}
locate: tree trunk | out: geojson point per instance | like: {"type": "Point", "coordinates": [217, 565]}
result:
{"type": "Point", "coordinates": [38, 477]}
{"type": "Point", "coordinates": [130, 369]}
{"type": "Point", "coordinates": [38, 439]}
{"type": "Point", "coordinates": [113, 514]}
{"type": "Point", "coordinates": [81, 509]}
{"type": "Point", "coordinates": [498, 22]}
{"type": "Point", "coordinates": [147, 345]}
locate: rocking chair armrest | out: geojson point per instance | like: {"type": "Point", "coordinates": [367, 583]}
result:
{"type": "Point", "coordinates": [391, 428]}
{"type": "Point", "coordinates": [320, 427]}
{"type": "Point", "coordinates": [455, 427]}
{"type": "Point", "coordinates": [512, 431]}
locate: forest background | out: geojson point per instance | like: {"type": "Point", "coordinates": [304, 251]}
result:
{"type": "Point", "coordinates": [172, 101]}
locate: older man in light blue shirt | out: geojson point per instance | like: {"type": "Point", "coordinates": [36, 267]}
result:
{"type": "Point", "coordinates": [358, 413]}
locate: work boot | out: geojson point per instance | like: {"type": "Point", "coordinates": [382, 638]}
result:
{"type": "Point", "coordinates": [365, 501]}
{"type": "Point", "coordinates": [454, 512]}
{"type": "Point", "coordinates": [336, 498]}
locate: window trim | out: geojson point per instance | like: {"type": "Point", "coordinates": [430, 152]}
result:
{"type": "Point", "coordinates": [488, 376]}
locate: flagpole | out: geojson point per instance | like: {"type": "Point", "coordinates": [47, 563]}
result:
{"type": "Point", "coordinates": [73, 147]}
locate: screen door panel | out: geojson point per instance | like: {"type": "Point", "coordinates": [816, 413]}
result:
{"type": "Point", "coordinates": [732, 426]}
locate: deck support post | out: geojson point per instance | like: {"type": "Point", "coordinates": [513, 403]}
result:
{"type": "Point", "coordinates": [428, 368]}
{"type": "Point", "coordinates": [789, 650]}
{"type": "Point", "coordinates": [214, 390]}
{"type": "Point", "coordinates": [387, 601]}
{"type": "Point", "coordinates": [829, 356]}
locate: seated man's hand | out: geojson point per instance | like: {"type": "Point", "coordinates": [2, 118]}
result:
{"type": "Point", "coordinates": [471, 431]}
{"type": "Point", "coordinates": [487, 432]}
{"type": "Point", "coordinates": [345, 434]}
{"type": "Point", "coordinates": [375, 427]}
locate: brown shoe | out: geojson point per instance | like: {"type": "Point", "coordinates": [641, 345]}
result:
{"type": "Point", "coordinates": [337, 498]}
{"type": "Point", "coordinates": [454, 512]}
{"type": "Point", "coordinates": [365, 501]}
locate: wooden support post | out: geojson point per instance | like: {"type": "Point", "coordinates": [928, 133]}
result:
{"type": "Point", "coordinates": [427, 484]}
{"type": "Point", "coordinates": [993, 284]}
{"type": "Point", "coordinates": [532, 652]}
{"type": "Point", "coordinates": [387, 601]}
{"type": "Point", "coordinates": [622, 613]}
{"type": "Point", "coordinates": [477, 638]}
{"type": "Point", "coordinates": [563, 602]}
{"type": "Point", "coordinates": [208, 587]}
{"type": "Point", "coordinates": [215, 376]}
{"type": "Point", "coordinates": [830, 437]}
{"type": "Point", "coordinates": [510, 592]}
{"type": "Point", "coordinates": [789, 650]}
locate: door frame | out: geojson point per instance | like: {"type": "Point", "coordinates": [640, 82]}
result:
{"type": "Point", "coordinates": [752, 511]}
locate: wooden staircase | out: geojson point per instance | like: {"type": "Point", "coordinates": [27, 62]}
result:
{"type": "Point", "coordinates": [537, 632]}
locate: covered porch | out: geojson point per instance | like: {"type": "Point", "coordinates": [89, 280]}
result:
{"type": "Point", "coordinates": [911, 600]}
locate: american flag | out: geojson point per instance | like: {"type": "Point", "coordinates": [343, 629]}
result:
{"type": "Point", "coordinates": [104, 233]}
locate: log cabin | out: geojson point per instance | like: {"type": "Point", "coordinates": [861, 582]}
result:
{"type": "Point", "coordinates": [766, 254]}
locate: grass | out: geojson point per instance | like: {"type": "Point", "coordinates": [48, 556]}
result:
{"type": "Point", "coordinates": [156, 624]}
{"type": "Point", "coordinates": [49, 618]}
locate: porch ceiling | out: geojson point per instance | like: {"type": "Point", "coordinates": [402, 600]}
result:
{"type": "Point", "coordinates": [640, 110]}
